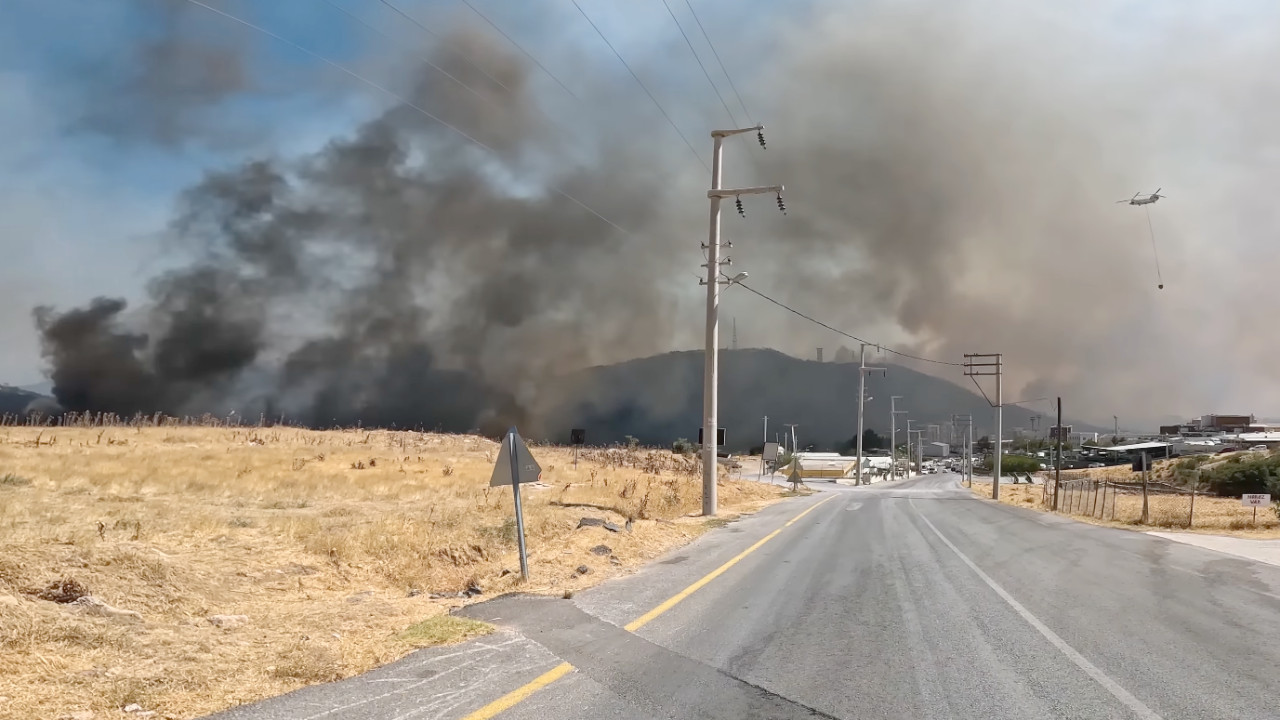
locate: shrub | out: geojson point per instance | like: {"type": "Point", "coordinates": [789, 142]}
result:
{"type": "Point", "coordinates": [1239, 475]}
{"type": "Point", "coordinates": [1012, 463]}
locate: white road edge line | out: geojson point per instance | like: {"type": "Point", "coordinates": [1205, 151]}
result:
{"type": "Point", "coordinates": [1089, 668]}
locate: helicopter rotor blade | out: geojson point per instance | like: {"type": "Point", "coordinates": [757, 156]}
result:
{"type": "Point", "coordinates": [1157, 192]}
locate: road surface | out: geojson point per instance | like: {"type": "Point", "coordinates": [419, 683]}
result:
{"type": "Point", "coordinates": [910, 599]}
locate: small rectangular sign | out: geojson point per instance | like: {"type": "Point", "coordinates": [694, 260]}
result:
{"type": "Point", "coordinates": [770, 451]}
{"type": "Point", "coordinates": [1255, 499]}
{"type": "Point", "coordinates": [578, 436]}
{"type": "Point", "coordinates": [719, 437]}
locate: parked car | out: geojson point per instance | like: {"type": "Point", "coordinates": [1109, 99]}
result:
{"type": "Point", "coordinates": [1258, 448]}
{"type": "Point", "coordinates": [1226, 450]}
{"type": "Point", "coordinates": [1097, 465]}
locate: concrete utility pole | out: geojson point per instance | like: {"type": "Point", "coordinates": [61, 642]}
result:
{"type": "Point", "coordinates": [711, 368]}
{"type": "Point", "coordinates": [977, 365]}
{"type": "Point", "coordinates": [910, 454]}
{"type": "Point", "coordinates": [765, 441]}
{"type": "Point", "coordinates": [894, 412]}
{"type": "Point", "coordinates": [919, 452]}
{"type": "Point", "coordinates": [862, 396]}
{"type": "Point", "coordinates": [1115, 431]}
{"type": "Point", "coordinates": [793, 427]}
{"type": "Point", "coordinates": [967, 455]}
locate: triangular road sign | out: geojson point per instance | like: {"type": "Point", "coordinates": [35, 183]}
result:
{"type": "Point", "coordinates": [530, 471]}
{"type": "Point", "coordinates": [795, 474]}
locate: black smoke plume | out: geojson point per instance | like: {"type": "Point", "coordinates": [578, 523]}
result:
{"type": "Point", "coordinates": [951, 168]}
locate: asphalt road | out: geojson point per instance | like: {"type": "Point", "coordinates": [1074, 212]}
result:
{"type": "Point", "coordinates": [899, 600]}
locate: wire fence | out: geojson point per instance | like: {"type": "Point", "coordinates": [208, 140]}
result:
{"type": "Point", "coordinates": [1155, 504]}
{"type": "Point", "coordinates": [104, 419]}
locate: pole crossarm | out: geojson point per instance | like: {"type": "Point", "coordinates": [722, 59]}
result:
{"type": "Point", "coordinates": [737, 131]}
{"type": "Point", "coordinates": [723, 193]}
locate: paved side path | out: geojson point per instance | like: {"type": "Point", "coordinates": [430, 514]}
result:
{"type": "Point", "coordinates": [1264, 551]}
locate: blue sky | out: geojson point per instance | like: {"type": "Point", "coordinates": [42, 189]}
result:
{"type": "Point", "coordinates": [82, 210]}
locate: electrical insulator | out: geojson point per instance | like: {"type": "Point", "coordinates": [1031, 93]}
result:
{"type": "Point", "coordinates": [781, 205]}
{"type": "Point", "coordinates": [760, 137]}
{"type": "Point", "coordinates": [738, 201]}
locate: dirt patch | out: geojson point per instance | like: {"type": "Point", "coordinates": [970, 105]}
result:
{"type": "Point", "coordinates": [189, 569]}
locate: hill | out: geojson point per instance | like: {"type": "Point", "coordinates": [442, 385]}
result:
{"type": "Point", "coordinates": [15, 400]}
{"type": "Point", "coordinates": [659, 399]}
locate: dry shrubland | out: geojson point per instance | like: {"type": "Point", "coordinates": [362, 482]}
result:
{"type": "Point", "coordinates": [1215, 515]}
{"type": "Point", "coordinates": [240, 563]}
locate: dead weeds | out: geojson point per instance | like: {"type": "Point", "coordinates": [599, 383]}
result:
{"type": "Point", "coordinates": [323, 554]}
{"type": "Point", "coordinates": [1213, 515]}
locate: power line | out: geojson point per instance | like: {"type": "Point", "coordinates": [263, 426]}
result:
{"type": "Point", "coordinates": [435, 34]}
{"type": "Point", "coordinates": [718, 60]}
{"type": "Point", "coordinates": [405, 101]}
{"type": "Point", "coordinates": [705, 74]}
{"type": "Point", "coordinates": [642, 85]}
{"type": "Point", "coordinates": [517, 46]}
{"type": "Point", "coordinates": [421, 58]}
{"type": "Point", "coordinates": [816, 321]}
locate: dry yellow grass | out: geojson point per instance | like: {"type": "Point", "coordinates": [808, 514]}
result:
{"type": "Point", "coordinates": [330, 543]}
{"type": "Point", "coordinates": [1213, 515]}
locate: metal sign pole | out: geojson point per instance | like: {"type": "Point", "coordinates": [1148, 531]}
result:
{"type": "Point", "coordinates": [515, 488]}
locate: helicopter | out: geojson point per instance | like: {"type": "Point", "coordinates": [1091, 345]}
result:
{"type": "Point", "coordinates": [1147, 200]}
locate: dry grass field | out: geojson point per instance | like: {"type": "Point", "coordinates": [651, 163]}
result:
{"type": "Point", "coordinates": [1214, 515]}
{"type": "Point", "coordinates": [240, 563]}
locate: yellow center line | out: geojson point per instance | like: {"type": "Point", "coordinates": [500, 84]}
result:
{"type": "Point", "coordinates": [514, 697]}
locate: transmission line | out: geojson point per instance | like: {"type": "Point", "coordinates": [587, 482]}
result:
{"type": "Point", "coordinates": [837, 331]}
{"type": "Point", "coordinates": [403, 100]}
{"type": "Point", "coordinates": [517, 46]}
{"type": "Point", "coordinates": [644, 87]}
{"type": "Point", "coordinates": [718, 60]}
{"type": "Point", "coordinates": [705, 74]}
{"type": "Point", "coordinates": [435, 34]}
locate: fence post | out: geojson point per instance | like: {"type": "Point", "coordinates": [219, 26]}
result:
{"type": "Point", "coordinates": [1144, 488]}
{"type": "Point", "coordinates": [1191, 516]}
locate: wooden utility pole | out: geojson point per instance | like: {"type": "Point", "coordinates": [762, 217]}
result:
{"type": "Point", "coordinates": [1057, 467]}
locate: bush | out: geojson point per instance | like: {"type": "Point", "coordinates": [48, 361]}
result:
{"type": "Point", "coordinates": [1012, 463]}
{"type": "Point", "coordinates": [682, 447]}
{"type": "Point", "coordinates": [1240, 475]}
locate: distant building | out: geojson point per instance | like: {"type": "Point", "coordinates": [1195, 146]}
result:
{"type": "Point", "coordinates": [936, 449]}
{"type": "Point", "coordinates": [1212, 425]}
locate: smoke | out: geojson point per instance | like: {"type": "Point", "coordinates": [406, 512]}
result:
{"type": "Point", "coordinates": [396, 276]}
{"type": "Point", "coordinates": [951, 169]}
{"type": "Point", "coordinates": [167, 88]}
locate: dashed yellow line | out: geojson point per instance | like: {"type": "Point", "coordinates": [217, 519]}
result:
{"type": "Point", "coordinates": [514, 697]}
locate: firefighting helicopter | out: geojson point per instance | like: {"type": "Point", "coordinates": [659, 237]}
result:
{"type": "Point", "coordinates": [1139, 199]}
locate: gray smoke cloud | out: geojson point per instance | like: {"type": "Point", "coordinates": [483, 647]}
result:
{"type": "Point", "coordinates": [951, 168]}
{"type": "Point", "coordinates": [167, 88]}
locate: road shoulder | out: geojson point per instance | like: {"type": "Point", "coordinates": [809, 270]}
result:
{"type": "Point", "coordinates": [452, 682]}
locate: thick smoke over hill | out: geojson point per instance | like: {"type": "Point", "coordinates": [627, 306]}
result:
{"type": "Point", "coordinates": [951, 177]}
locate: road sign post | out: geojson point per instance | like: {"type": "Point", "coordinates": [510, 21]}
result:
{"type": "Point", "coordinates": [515, 466]}
{"type": "Point", "coordinates": [577, 438]}
{"type": "Point", "coordinates": [770, 456]}
{"type": "Point", "coordinates": [515, 489]}
{"type": "Point", "coordinates": [1255, 501]}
